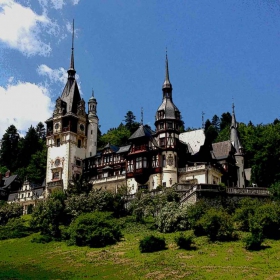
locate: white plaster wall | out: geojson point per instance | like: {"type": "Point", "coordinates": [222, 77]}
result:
{"type": "Point", "coordinates": [92, 138]}
{"type": "Point", "coordinates": [132, 186]}
{"type": "Point", "coordinates": [169, 171]}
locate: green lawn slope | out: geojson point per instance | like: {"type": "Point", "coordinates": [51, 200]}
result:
{"type": "Point", "coordinates": [22, 259]}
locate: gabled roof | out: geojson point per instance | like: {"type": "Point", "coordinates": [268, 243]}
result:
{"type": "Point", "coordinates": [9, 180]}
{"type": "Point", "coordinates": [193, 139]}
{"type": "Point", "coordinates": [142, 131]}
{"type": "Point", "coordinates": [123, 149]}
{"type": "Point", "coordinates": [221, 150]}
{"type": "Point", "coordinates": [111, 147]}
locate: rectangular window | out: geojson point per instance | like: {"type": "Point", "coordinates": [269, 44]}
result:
{"type": "Point", "coordinates": [78, 162]}
{"type": "Point", "coordinates": [91, 132]}
{"type": "Point", "coordinates": [169, 125]}
{"type": "Point", "coordinates": [162, 142]}
{"type": "Point", "coordinates": [79, 143]}
{"type": "Point", "coordinates": [58, 142]}
{"type": "Point", "coordinates": [55, 175]}
{"type": "Point", "coordinates": [163, 161]}
{"type": "Point", "coordinates": [145, 162]}
{"type": "Point", "coordinates": [138, 162]}
{"type": "Point", "coordinates": [161, 126]}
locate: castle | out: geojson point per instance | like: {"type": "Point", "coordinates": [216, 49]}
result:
{"type": "Point", "coordinates": [163, 157]}
{"type": "Point", "coordinates": [151, 160]}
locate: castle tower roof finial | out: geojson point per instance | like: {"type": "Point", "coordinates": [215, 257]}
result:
{"type": "Point", "coordinates": [166, 83]}
{"type": "Point", "coordinates": [71, 71]}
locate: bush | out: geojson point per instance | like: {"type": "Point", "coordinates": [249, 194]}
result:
{"type": "Point", "coordinates": [253, 241]}
{"type": "Point", "coordinates": [96, 229]}
{"type": "Point", "coordinates": [151, 243]}
{"type": "Point", "coordinates": [184, 242]}
{"type": "Point", "coordinates": [9, 211]}
{"type": "Point", "coordinates": [172, 218]}
{"type": "Point", "coordinates": [247, 208]}
{"type": "Point", "coordinates": [13, 229]}
{"type": "Point", "coordinates": [216, 224]}
{"type": "Point", "coordinates": [42, 239]}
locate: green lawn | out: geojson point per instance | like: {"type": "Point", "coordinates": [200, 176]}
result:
{"type": "Point", "coordinates": [22, 259]}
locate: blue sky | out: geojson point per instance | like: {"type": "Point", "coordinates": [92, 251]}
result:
{"type": "Point", "coordinates": [218, 51]}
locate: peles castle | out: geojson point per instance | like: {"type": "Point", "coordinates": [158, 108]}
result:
{"type": "Point", "coordinates": [163, 157]}
{"type": "Point", "coordinates": [151, 160]}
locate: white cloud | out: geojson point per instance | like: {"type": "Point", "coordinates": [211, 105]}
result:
{"type": "Point", "coordinates": [57, 4]}
{"type": "Point", "coordinates": [54, 75]}
{"type": "Point", "coordinates": [23, 28]}
{"type": "Point", "coordinates": [75, 2]}
{"type": "Point", "coordinates": [59, 75]}
{"type": "Point", "coordinates": [22, 105]}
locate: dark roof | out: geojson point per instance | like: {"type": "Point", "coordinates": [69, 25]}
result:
{"type": "Point", "coordinates": [123, 149]}
{"type": "Point", "coordinates": [12, 196]}
{"type": "Point", "coordinates": [9, 180]}
{"type": "Point", "coordinates": [112, 147]}
{"type": "Point", "coordinates": [222, 149]}
{"type": "Point", "coordinates": [142, 131]}
{"type": "Point", "coordinates": [169, 108]}
{"type": "Point", "coordinates": [71, 95]}
{"type": "Point", "coordinates": [39, 191]}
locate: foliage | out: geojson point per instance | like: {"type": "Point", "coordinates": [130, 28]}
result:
{"type": "Point", "coordinates": [130, 122]}
{"type": "Point", "coordinates": [275, 190]}
{"type": "Point", "coordinates": [116, 136]}
{"type": "Point", "coordinates": [216, 224]}
{"type": "Point", "coordinates": [9, 211]}
{"type": "Point", "coordinates": [266, 220]}
{"type": "Point", "coordinates": [172, 218]}
{"type": "Point", "coordinates": [246, 209]}
{"type": "Point", "coordinates": [14, 228]}
{"type": "Point", "coordinates": [42, 239]}
{"type": "Point", "coordinates": [151, 243]}
{"type": "Point", "coordinates": [96, 200]}
{"type": "Point", "coordinates": [49, 214]}
{"type": "Point", "coordinates": [183, 241]}
{"type": "Point", "coordinates": [195, 212]}
{"type": "Point", "coordinates": [78, 186]}
{"type": "Point", "coordinates": [9, 148]}
{"type": "Point", "coordinates": [254, 241]}
{"type": "Point", "coordinates": [97, 229]}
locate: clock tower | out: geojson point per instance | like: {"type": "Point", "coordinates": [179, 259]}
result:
{"type": "Point", "coordinates": [66, 134]}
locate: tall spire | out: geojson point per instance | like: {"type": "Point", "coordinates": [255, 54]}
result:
{"type": "Point", "coordinates": [234, 137]}
{"type": "Point", "coordinates": [167, 86]}
{"type": "Point", "coordinates": [71, 71]}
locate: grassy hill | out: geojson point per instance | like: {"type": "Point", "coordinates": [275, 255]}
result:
{"type": "Point", "coordinates": [22, 259]}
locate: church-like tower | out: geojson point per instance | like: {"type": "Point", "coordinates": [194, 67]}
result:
{"type": "Point", "coordinates": [92, 127]}
{"type": "Point", "coordinates": [239, 154]}
{"type": "Point", "coordinates": [66, 134]}
{"type": "Point", "coordinates": [168, 123]}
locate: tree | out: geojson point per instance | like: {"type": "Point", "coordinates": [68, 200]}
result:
{"type": "Point", "coordinates": [116, 136]}
{"type": "Point", "coordinates": [216, 122]}
{"type": "Point", "coordinates": [225, 120]}
{"type": "Point", "coordinates": [41, 131]}
{"type": "Point", "coordinates": [130, 122]}
{"type": "Point", "coordinates": [9, 149]}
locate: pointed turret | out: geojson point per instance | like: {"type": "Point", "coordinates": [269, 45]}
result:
{"type": "Point", "coordinates": [234, 137]}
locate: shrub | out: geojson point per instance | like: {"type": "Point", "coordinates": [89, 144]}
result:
{"type": "Point", "coordinates": [42, 239]}
{"type": "Point", "coordinates": [172, 218]}
{"type": "Point", "coordinates": [9, 211]}
{"type": "Point", "coordinates": [216, 224]}
{"type": "Point", "coordinates": [253, 241]}
{"type": "Point", "coordinates": [266, 220]}
{"type": "Point", "coordinates": [151, 243]}
{"type": "Point", "coordinates": [13, 229]}
{"type": "Point", "coordinates": [184, 242]}
{"type": "Point", "coordinates": [96, 229]}
{"type": "Point", "coordinates": [247, 207]}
